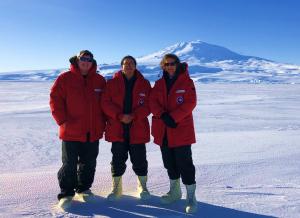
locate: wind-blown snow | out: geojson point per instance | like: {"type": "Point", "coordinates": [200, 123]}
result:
{"type": "Point", "coordinates": [247, 156]}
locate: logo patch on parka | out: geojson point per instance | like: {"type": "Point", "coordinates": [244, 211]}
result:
{"type": "Point", "coordinates": [141, 101]}
{"type": "Point", "coordinates": [179, 100]}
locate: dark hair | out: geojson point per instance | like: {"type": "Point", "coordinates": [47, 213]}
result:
{"type": "Point", "coordinates": [128, 57]}
{"type": "Point", "coordinates": [163, 60]}
{"type": "Point", "coordinates": [85, 52]}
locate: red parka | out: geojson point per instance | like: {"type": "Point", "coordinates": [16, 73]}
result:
{"type": "Point", "coordinates": [75, 104]}
{"type": "Point", "coordinates": [179, 104]}
{"type": "Point", "coordinates": [113, 103]}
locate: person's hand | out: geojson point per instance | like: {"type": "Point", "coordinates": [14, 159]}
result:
{"type": "Point", "coordinates": [126, 118]}
{"type": "Point", "coordinates": [168, 120]}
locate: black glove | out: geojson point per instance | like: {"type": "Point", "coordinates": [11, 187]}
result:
{"type": "Point", "coordinates": [168, 120]}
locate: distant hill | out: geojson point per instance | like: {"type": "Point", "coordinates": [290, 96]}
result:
{"type": "Point", "coordinates": [207, 63]}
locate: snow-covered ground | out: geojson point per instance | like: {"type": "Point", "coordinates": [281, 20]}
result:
{"type": "Point", "coordinates": [247, 156]}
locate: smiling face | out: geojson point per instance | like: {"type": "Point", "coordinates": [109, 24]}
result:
{"type": "Point", "coordinates": [128, 67]}
{"type": "Point", "coordinates": [85, 63]}
{"type": "Point", "coordinates": [170, 66]}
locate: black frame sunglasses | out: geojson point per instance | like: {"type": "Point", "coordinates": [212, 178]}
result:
{"type": "Point", "coordinates": [86, 59]}
{"type": "Point", "coordinates": [172, 64]}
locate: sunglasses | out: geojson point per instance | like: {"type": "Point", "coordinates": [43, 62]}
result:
{"type": "Point", "coordinates": [85, 59]}
{"type": "Point", "coordinates": [171, 64]}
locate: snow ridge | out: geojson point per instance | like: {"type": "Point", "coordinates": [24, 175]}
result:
{"type": "Point", "coordinates": [208, 63]}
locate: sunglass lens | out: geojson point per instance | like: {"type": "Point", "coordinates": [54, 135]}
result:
{"type": "Point", "coordinates": [170, 64]}
{"type": "Point", "coordinates": [85, 59]}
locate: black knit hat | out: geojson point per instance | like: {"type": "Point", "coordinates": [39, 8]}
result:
{"type": "Point", "coordinates": [85, 52]}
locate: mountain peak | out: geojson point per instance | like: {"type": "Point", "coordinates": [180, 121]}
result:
{"type": "Point", "coordinates": [207, 63]}
{"type": "Point", "coordinates": [194, 50]}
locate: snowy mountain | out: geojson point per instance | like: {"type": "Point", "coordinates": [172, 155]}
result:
{"type": "Point", "coordinates": [195, 51]}
{"type": "Point", "coordinates": [207, 63]}
{"type": "Point", "coordinates": [212, 63]}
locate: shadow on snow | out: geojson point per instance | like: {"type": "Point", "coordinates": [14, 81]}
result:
{"type": "Point", "coordinates": [129, 206]}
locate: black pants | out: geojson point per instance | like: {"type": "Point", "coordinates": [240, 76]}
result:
{"type": "Point", "coordinates": [137, 154]}
{"type": "Point", "coordinates": [79, 166]}
{"type": "Point", "coordinates": [179, 163]}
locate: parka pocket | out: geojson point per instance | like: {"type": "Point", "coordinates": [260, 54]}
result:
{"type": "Point", "coordinates": [184, 131]}
{"type": "Point", "coordinates": [157, 127]}
{"type": "Point", "coordinates": [113, 129]}
{"type": "Point", "coordinates": [73, 128]}
{"type": "Point", "coordinates": [140, 130]}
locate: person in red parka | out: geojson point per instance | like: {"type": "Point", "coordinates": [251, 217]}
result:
{"type": "Point", "coordinates": [75, 102]}
{"type": "Point", "coordinates": [125, 103]}
{"type": "Point", "coordinates": [172, 101]}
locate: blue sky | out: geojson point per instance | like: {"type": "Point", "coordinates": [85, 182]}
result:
{"type": "Point", "coordinates": [38, 34]}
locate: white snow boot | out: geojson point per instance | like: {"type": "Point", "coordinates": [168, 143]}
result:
{"type": "Point", "coordinates": [65, 202]}
{"type": "Point", "coordinates": [117, 189]}
{"type": "Point", "coordinates": [174, 194]}
{"type": "Point", "coordinates": [191, 202]}
{"type": "Point", "coordinates": [86, 196]}
{"type": "Point", "coordinates": [142, 188]}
